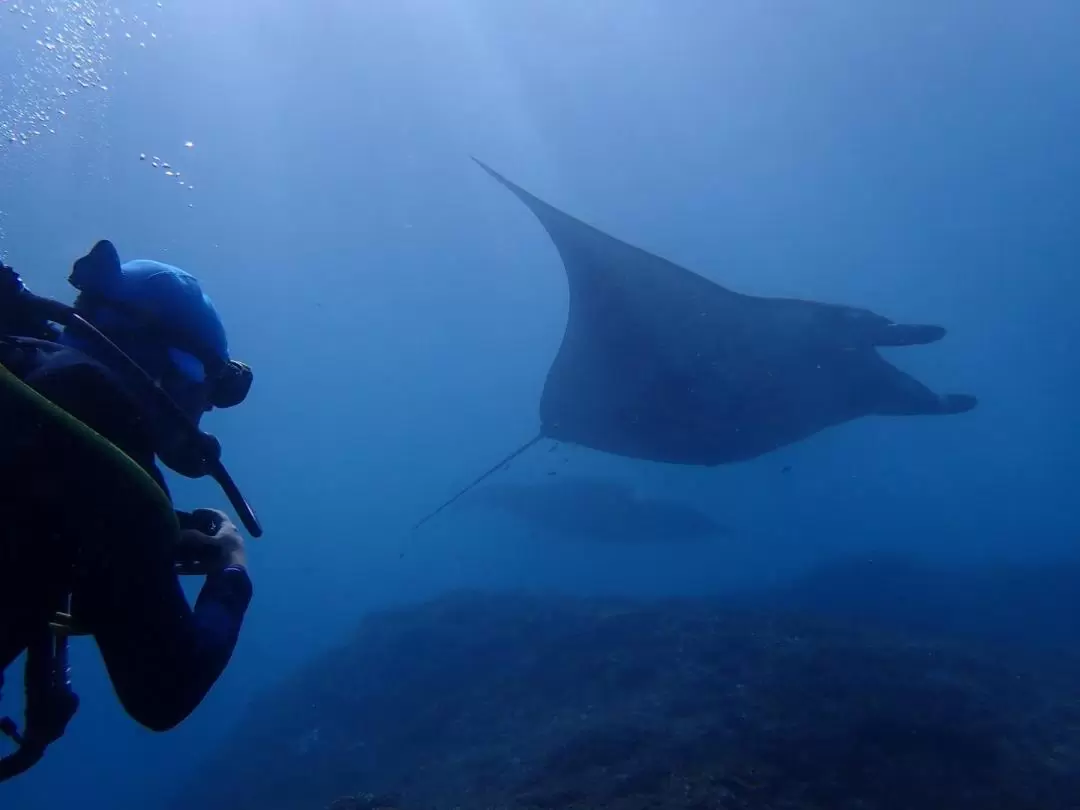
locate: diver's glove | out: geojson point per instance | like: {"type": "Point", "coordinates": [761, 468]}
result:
{"type": "Point", "coordinates": [16, 317]}
{"type": "Point", "coordinates": [11, 285]}
{"type": "Point", "coordinates": [209, 541]}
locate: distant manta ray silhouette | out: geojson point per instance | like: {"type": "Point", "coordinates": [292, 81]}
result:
{"type": "Point", "coordinates": [660, 364]}
{"type": "Point", "coordinates": [597, 509]}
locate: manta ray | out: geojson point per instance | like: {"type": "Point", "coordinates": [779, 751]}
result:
{"type": "Point", "coordinates": [661, 364]}
{"type": "Point", "coordinates": [599, 510]}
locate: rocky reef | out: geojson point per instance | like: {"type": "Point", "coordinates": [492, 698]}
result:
{"type": "Point", "coordinates": [532, 702]}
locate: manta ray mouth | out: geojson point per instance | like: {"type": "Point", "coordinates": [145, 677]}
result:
{"type": "Point", "coordinates": [904, 334]}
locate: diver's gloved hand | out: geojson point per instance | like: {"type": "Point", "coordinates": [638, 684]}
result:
{"type": "Point", "coordinates": [16, 316]}
{"type": "Point", "coordinates": [209, 541]}
{"type": "Point", "coordinates": [11, 285]}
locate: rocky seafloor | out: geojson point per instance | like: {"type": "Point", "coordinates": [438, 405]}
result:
{"type": "Point", "coordinates": [833, 694]}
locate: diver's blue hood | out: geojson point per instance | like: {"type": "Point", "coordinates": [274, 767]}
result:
{"type": "Point", "coordinates": [166, 293]}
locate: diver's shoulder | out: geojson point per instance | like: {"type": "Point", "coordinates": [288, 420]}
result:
{"type": "Point", "coordinates": [41, 361]}
{"type": "Point", "coordinates": [84, 387]}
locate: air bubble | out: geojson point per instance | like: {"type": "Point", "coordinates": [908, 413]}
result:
{"type": "Point", "coordinates": [71, 51]}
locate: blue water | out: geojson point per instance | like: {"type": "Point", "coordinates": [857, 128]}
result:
{"type": "Point", "coordinates": [400, 309]}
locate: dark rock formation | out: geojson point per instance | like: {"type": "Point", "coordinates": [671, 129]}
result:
{"type": "Point", "coordinates": [510, 701]}
{"type": "Point", "coordinates": [1029, 611]}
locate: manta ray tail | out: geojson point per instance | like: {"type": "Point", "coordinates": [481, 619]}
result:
{"type": "Point", "coordinates": [480, 479]}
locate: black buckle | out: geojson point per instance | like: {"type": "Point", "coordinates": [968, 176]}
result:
{"type": "Point", "coordinates": [63, 626]}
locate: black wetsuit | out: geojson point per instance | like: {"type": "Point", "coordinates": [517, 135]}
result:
{"type": "Point", "coordinates": [162, 656]}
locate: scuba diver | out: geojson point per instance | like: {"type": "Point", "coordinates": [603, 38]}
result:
{"type": "Point", "coordinates": [91, 397]}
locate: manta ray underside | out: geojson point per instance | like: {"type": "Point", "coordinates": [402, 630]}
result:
{"type": "Point", "coordinates": [661, 364]}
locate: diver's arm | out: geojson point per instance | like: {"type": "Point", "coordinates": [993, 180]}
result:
{"type": "Point", "coordinates": [162, 656]}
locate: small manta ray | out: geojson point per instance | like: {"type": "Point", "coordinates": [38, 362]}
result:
{"type": "Point", "coordinates": [661, 364]}
{"type": "Point", "coordinates": [601, 510]}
